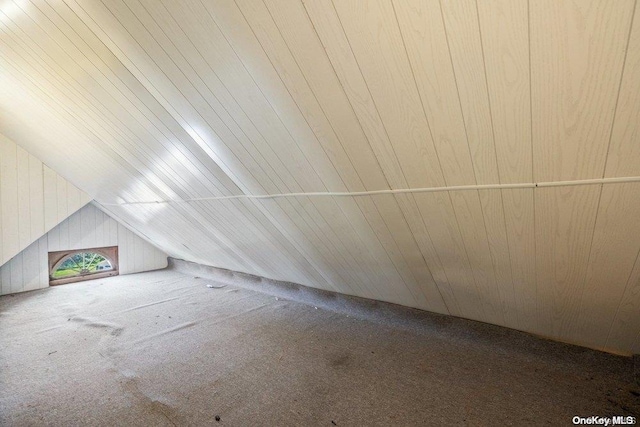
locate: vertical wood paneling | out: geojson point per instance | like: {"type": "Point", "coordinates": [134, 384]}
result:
{"type": "Point", "coordinates": [519, 215]}
{"type": "Point", "coordinates": [350, 150]}
{"type": "Point", "coordinates": [624, 151]}
{"type": "Point", "coordinates": [390, 79]}
{"type": "Point", "coordinates": [125, 260]}
{"type": "Point", "coordinates": [31, 263]}
{"type": "Point", "coordinates": [15, 266]}
{"type": "Point", "coordinates": [37, 201]}
{"type": "Point", "coordinates": [504, 29]}
{"type": "Point", "coordinates": [50, 183]}
{"type": "Point", "coordinates": [9, 189]}
{"type": "Point", "coordinates": [2, 243]}
{"type": "Point", "coordinates": [504, 26]}
{"type": "Point", "coordinates": [565, 219]}
{"type": "Point", "coordinates": [467, 56]}
{"type": "Point", "coordinates": [5, 279]}
{"type": "Point", "coordinates": [29, 269]}
{"type": "Point", "coordinates": [137, 252]}
{"type": "Point", "coordinates": [498, 242]}
{"type": "Point", "coordinates": [428, 49]}
{"type": "Point", "coordinates": [424, 38]}
{"type": "Point", "coordinates": [63, 202]}
{"type": "Point", "coordinates": [624, 333]}
{"type": "Point", "coordinates": [212, 124]}
{"type": "Point", "coordinates": [140, 100]}
{"type": "Point", "coordinates": [616, 243]}
{"type": "Point", "coordinates": [73, 228]}
{"type": "Point", "coordinates": [329, 29]}
{"type": "Point", "coordinates": [88, 227]}
{"type": "Point", "coordinates": [24, 199]}
{"type": "Point", "coordinates": [577, 53]}
{"type": "Point", "coordinates": [34, 199]}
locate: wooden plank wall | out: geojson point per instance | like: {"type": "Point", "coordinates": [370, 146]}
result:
{"type": "Point", "coordinates": [155, 100]}
{"type": "Point", "coordinates": [87, 228]}
{"type": "Point", "coordinates": [33, 199]}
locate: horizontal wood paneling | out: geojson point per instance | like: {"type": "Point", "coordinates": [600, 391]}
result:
{"type": "Point", "coordinates": [141, 100]}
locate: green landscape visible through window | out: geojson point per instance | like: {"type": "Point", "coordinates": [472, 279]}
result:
{"type": "Point", "coordinates": [82, 264]}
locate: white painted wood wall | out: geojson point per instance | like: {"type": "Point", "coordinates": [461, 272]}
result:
{"type": "Point", "coordinates": [87, 228]}
{"type": "Point", "coordinates": [33, 199]}
{"type": "Point", "coordinates": [160, 100]}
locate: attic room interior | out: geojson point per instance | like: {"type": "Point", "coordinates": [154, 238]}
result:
{"type": "Point", "coordinates": [319, 212]}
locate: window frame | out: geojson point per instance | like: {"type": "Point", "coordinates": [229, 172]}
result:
{"type": "Point", "coordinates": [110, 253]}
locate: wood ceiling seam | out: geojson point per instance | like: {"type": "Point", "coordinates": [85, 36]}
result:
{"type": "Point", "coordinates": [611, 246]}
{"type": "Point", "coordinates": [317, 139]}
{"type": "Point", "coordinates": [615, 110]}
{"type": "Point", "coordinates": [214, 182]}
{"type": "Point", "coordinates": [285, 86]}
{"type": "Point", "coordinates": [566, 70]}
{"type": "Point", "coordinates": [156, 94]}
{"type": "Point", "coordinates": [185, 76]}
{"type": "Point", "coordinates": [483, 236]}
{"type": "Point", "coordinates": [498, 246]}
{"type": "Point", "coordinates": [353, 166]}
{"type": "Point", "coordinates": [21, 96]}
{"type": "Point", "coordinates": [248, 73]}
{"type": "Point", "coordinates": [185, 97]}
{"type": "Point", "coordinates": [455, 81]}
{"type": "Point", "coordinates": [103, 147]}
{"type": "Point", "coordinates": [214, 95]}
{"type": "Point", "coordinates": [456, 236]}
{"type": "Point", "coordinates": [495, 153]}
{"type": "Point", "coordinates": [604, 167]}
{"type": "Point", "coordinates": [533, 157]}
{"type": "Point", "coordinates": [204, 97]}
{"type": "Point", "coordinates": [338, 261]}
{"type": "Point", "coordinates": [44, 93]}
{"type": "Point", "coordinates": [359, 182]}
{"type": "Point", "coordinates": [392, 154]}
{"type": "Point", "coordinates": [533, 172]}
{"type": "Point", "coordinates": [33, 82]}
{"type": "Point", "coordinates": [466, 206]}
{"type": "Point", "coordinates": [415, 85]}
{"type": "Point", "coordinates": [464, 16]}
{"type": "Point", "coordinates": [591, 249]}
{"type": "Point", "coordinates": [179, 147]}
{"type": "Point", "coordinates": [376, 103]}
{"type": "Point", "coordinates": [87, 128]}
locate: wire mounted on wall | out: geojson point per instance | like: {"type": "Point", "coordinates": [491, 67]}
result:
{"type": "Point", "coordinates": [618, 180]}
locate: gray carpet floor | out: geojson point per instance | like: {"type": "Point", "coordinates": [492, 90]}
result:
{"type": "Point", "coordinates": [163, 348]}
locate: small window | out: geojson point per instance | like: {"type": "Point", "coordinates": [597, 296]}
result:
{"type": "Point", "coordinates": [85, 264]}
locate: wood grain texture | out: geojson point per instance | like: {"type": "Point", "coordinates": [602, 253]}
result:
{"type": "Point", "coordinates": [564, 224]}
{"type": "Point", "coordinates": [577, 54]}
{"type": "Point", "coordinates": [504, 29]}
{"type": "Point", "coordinates": [142, 100]}
{"type": "Point", "coordinates": [624, 332]}
{"type": "Point", "coordinates": [29, 207]}
{"type": "Point", "coordinates": [623, 157]}
{"type": "Point", "coordinates": [615, 245]}
{"type": "Point", "coordinates": [87, 228]}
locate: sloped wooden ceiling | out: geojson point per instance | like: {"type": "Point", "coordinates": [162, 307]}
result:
{"type": "Point", "coordinates": [178, 101]}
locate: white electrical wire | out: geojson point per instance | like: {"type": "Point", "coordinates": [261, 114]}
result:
{"type": "Point", "coordinates": [618, 180]}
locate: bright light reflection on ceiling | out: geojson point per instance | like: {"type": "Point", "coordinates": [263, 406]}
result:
{"type": "Point", "coordinates": [12, 8]}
